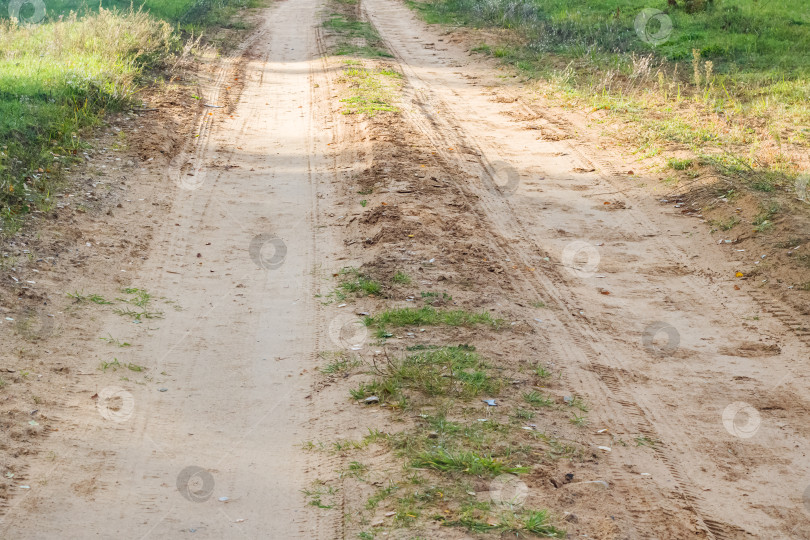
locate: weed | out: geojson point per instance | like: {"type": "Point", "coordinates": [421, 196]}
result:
{"type": "Point", "coordinates": [542, 372]}
{"type": "Point", "coordinates": [114, 365]}
{"type": "Point", "coordinates": [537, 399]}
{"type": "Point", "coordinates": [580, 421]}
{"type": "Point", "coordinates": [338, 362]}
{"type": "Point", "coordinates": [401, 278]}
{"type": "Point", "coordinates": [466, 462]}
{"type": "Point", "coordinates": [356, 283]}
{"type": "Point", "coordinates": [537, 523]}
{"type": "Point", "coordinates": [382, 494]}
{"type": "Point", "coordinates": [727, 224]}
{"type": "Point", "coordinates": [318, 492]}
{"type": "Point", "coordinates": [436, 299]}
{"type": "Point", "coordinates": [356, 470]}
{"type": "Point", "coordinates": [81, 298]}
{"type": "Point", "coordinates": [447, 371]}
{"type": "Point", "coordinates": [679, 164]}
{"type": "Point", "coordinates": [428, 316]}
{"type": "Point", "coordinates": [141, 298]}
{"type": "Point", "coordinates": [372, 91]}
{"type": "Point", "coordinates": [138, 315]}
{"type": "Point", "coordinates": [576, 402]}
{"type": "Point", "coordinates": [117, 342]}
{"type": "Point", "coordinates": [356, 38]}
{"type": "Point", "coordinates": [364, 203]}
{"type": "Point", "coordinates": [764, 220]}
{"type": "Point", "coordinates": [646, 441]}
{"type": "Point", "coordinates": [538, 304]}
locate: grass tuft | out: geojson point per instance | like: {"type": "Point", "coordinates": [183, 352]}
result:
{"type": "Point", "coordinates": [429, 316]}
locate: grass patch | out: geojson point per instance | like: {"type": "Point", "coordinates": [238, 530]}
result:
{"type": "Point", "coordinates": [60, 77]}
{"type": "Point", "coordinates": [429, 316]}
{"type": "Point", "coordinates": [117, 342]}
{"type": "Point", "coordinates": [371, 90]}
{"type": "Point", "coordinates": [338, 362]}
{"type": "Point", "coordinates": [446, 371]}
{"type": "Point", "coordinates": [58, 80]}
{"type": "Point", "coordinates": [537, 399]}
{"type": "Point", "coordinates": [353, 282]}
{"type": "Point", "coordinates": [355, 37]}
{"type": "Point", "coordinates": [464, 462]}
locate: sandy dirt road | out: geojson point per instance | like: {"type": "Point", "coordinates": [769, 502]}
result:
{"type": "Point", "coordinates": [672, 354]}
{"type": "Point", "coordinates": [237, 253]}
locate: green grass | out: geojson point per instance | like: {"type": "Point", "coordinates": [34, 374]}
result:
{"type": "Point", "coordinates": [80, 298]}
{"type": "Point", "coordinates": [372, 90]}
{"type": "Point", "coordinates": [736, 73]}
{"type": "Point", "coordinates": [537, 399]}
{"type": "Point", "coordinates": [117, 342]}
{"type": "Point", "coordinates": [190, 15]}
{"type": "Point", "coordinates": [756, 42]}
{"type": "Point", "coordinates": [353, 282]}
{"type": "Point", "coordinates": [537, 522]}
{"type": "Point", "coordinates": [355, 37]}
{"type": "Point", "coordinates": [429, 316]}
{"type": "Point", "coordinates": [60, 77]}
{"type": "Point", "coordinates": [466, 462]}
{"type": "Point", "coordinates": [338, 362]}
{"type": "Point", "coordinates": [445, 371]}
{"type": "Point", "coordinates": [57, 80]}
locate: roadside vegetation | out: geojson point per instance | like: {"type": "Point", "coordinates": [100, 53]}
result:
{"type": "Point", "coordinates": [59, 76]}
{"type": "Point", "coordinates": [370, 87]}
{"type": "Point", "coordinates": [468, 433]}
{"type": "Point", "coordinates": [453, 454]}
{"type": "Point", "coordinates": [729, 80]}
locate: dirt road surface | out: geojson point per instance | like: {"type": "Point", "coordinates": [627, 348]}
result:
{"type": "Point", "coordinates": [647, 322]}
